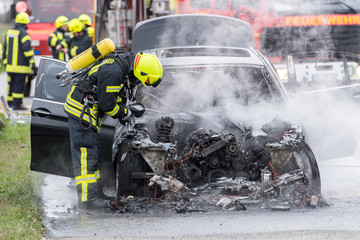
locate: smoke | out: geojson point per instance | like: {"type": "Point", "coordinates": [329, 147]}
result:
{"type": "Point", "coordinates": [331, 123]}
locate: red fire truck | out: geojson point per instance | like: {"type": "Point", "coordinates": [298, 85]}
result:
{"type": "Point", "coordinates": [287, 26]}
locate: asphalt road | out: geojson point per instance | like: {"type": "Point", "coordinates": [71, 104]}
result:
{"type": "Point", "coordinates": [339, 220]}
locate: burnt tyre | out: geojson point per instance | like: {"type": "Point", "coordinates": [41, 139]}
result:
{"type": "Point", "coordinates": [295, 157]}
{"type": "Point", "coordinates": [130, 175]}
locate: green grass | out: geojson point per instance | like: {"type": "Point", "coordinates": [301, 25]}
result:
{"type": "Point", "coordinates": [20, 215]}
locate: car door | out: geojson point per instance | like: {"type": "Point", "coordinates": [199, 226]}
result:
{"type": "Point", "coordinates": [50, 145]}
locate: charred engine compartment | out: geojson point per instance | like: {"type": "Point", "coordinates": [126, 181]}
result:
{"type": "Point", "coordinates": [274, 166]}
{"type": "Point", "coordinates": [208, 155]}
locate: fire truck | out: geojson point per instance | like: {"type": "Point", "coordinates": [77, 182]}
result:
{"type": "Point", "coordinates": [285, 27]}
{"type": "Point", "coordinates": [114, 19]}
{"type": "Point", "coordinates": [281, 26]}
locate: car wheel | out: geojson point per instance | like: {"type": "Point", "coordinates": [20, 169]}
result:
{"type": "Point", "coordinates": [304, 159]}
{"type": "Point", "coordinates": [125, 182]}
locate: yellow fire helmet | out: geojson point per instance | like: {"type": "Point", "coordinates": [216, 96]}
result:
{"type": "Point", "coordinates": [61, 21]}
{"type": "Point", "coordinates": [22, 17]}
{"type": "Point", "coordinates": [85, 19]}
{"type": "Point", "coordinates": [148, 69]}
{"type": "Point", "coordinates": [75, 25]}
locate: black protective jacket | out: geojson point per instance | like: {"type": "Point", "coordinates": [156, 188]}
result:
{"type": "Point", "coordinates": [79, 44]}
{"type": "Point", "coordinates": [110, 89]}
{"type": "Point", "coordinates": [55, 38]}
{"type": "Point", "coordinates": [18, 54]}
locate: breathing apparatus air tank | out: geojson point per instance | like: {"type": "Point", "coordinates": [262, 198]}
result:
{"type": "Point", "coordinates": [90, 55]}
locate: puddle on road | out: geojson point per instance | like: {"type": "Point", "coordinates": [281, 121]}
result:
{"type": "Point", "coordinates": [59, 196]}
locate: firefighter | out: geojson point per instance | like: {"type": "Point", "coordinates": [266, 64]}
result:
{"type": "Point", "coordinates": [110, 85]}
{"type": "Point", "coordinates": [86, 20]}
{"type": "Point", "coordinates": [80, 41]}
{"type": "Point", "coordinates": [18, 57]}
{"type": "Point", "coordinates": [58, 40]}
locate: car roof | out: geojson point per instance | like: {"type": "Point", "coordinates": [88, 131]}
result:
{"type": "Point", "coordinates": [192, 30]}
{"type": "Point", "coordinates": [206, 56]}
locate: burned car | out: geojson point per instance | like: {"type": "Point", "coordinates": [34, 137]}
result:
{"type": "Point", "coordinates": [212, 128]}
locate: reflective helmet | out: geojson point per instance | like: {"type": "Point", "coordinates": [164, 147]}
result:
{"type": "Point", "coordinates": [61, 21]}
{"type": "Point", "coordinates": [75, 25]}
{"type": "Point", "coordinates": [23, 18]}
{"type": "Point", "coordinates": [85, 19]}
{"type": "Point", "coordinates": [148, 69]}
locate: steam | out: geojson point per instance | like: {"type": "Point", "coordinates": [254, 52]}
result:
{"type": "Point", "coordinates": [330, 122]}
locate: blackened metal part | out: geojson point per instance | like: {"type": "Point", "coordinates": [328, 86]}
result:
{"type": "Point", "coordinates": [164, 126]}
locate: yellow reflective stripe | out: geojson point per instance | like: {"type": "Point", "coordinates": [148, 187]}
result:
{"type": "Point", "coordinates": [29, 53]}
{"type": "Point", "coordinates": [5, 61]}
{"type": "Point", "coordinates": [73, 103]}
{"type": "Point", "coordinates": [32, 60]}
{"type": "Point", "coordinates": [114, 111]}
{"type": "Point", "coordinates": [119, 100]}
{"type": "Point", "coordinates": [25, 38]}
{"type": "Point", "coordinates": [94, 69]}
{"type": "Point", "coordinates": [17, 95]}
{"type": "Point", "coordinates": [15, 51]}
{"type": "Point", "coordinates": [84, 192]}
{"type": "Point", "coordinates": [73, 51]}
{"type": "Point", "coordinates": [53, 40]}
{"type": "Point", "coordinates": [18, 69]}
{"type": "Point", "coordinates": [64, 44]}
{"type": "Point", "coordinates": [61, 56]}
{"type": "Point", "coordinates": [77, 113]}
{"type": "Point", "coordinates": [114, 88]}
{"type": "Point", "coordinates": [83, 160]}
{"type": "Point", "coordinates": [13, 33]}
{"type": "Point", "coordinates": [88, 178]}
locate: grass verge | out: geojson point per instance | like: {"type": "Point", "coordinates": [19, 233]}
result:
{"type": "Point", "coordinates": [20, 215]}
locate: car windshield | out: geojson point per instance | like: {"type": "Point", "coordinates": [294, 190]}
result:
{"type": "Point", "coordinates": [205, 88]}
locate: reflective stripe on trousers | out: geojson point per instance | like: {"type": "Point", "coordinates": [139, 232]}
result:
{"type": "Point", "coordinates": [85, 156]}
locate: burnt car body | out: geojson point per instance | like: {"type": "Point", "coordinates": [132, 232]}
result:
{"type": "Point", "coordinates": [204, 123]}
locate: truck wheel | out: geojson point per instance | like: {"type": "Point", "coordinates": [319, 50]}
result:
{"type": "Point", "coordinates": [124, 182]}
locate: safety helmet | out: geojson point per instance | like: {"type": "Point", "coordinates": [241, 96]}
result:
{"type": "Point", "coordinates": [61, 21]}
{"type": "Point", "coordinates": [85, 19]}
{"type": "Point", "coordinates": [148, 69]}
{"type": "Point", "coordinates": [75, 25]}
{"type": "Point", "coordinates": [22, 17]}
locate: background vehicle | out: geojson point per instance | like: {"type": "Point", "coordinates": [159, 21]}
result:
{"type": "Point", "coordinates": [219, 89]}
{"type": "Point", "coordinates": [289, 26]}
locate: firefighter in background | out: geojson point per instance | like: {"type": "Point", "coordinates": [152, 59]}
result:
{"type": "Point", "coordinates": [80, 41]}
{"type": "Point", "coordinates": [86, 20]}
{"type": "Point", "coordinates": [111, 82]}
{"type": "Point", "coordinates": [58, 40]}
{"type": "Point", "coordinates": [18, 57]}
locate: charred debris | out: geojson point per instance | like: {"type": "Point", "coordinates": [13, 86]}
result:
{"type": "Point", "coordinates": [216, 170]}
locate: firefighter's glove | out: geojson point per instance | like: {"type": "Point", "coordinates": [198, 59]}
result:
{"type": "Point", "coordinates": [127, 114]}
